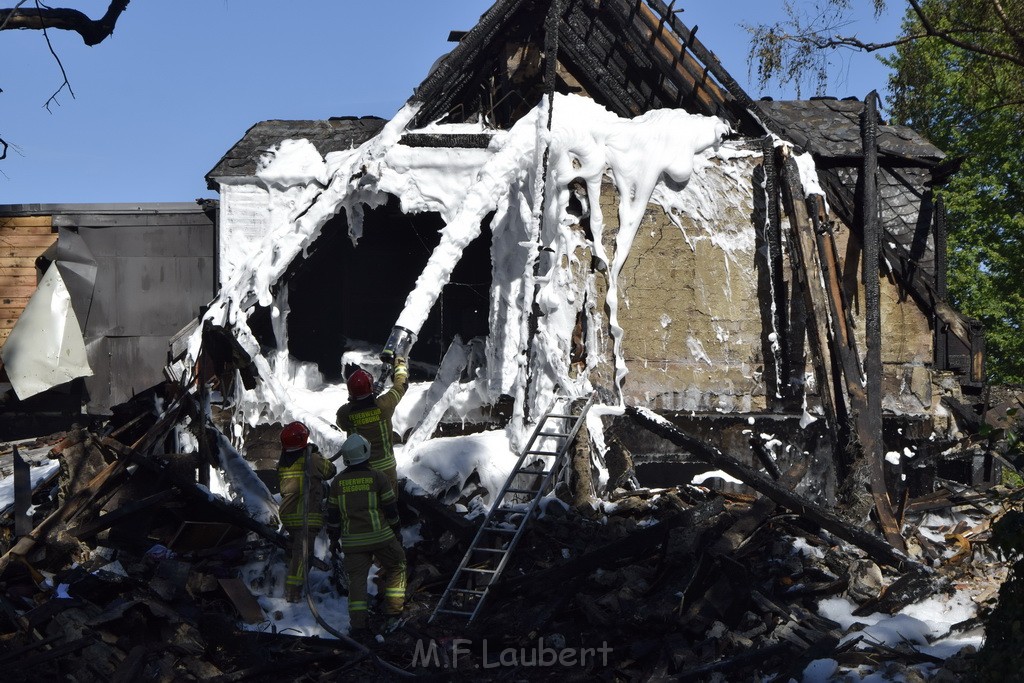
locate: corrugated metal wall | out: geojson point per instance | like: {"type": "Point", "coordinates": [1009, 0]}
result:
{"type": "Point", "coordinates": [22, 240]}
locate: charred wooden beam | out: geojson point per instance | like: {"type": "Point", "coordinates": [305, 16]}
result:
{"type": "Point", "coordinates": [903, 266]}
{"type": "Point", "coordinates": [668, 55]}
{"type": "Point", "coordinates": [439, 514]}
{"type": "Point", "coordinates": [765, 458]}
{"type": "Point", "coordinates": [876, 547]}
{"type": "Point", "coordinates": [191, 490]}
{"type": "Point", "coordinates": [751, 124]}
{"type": "Point", "coordinates": [22, 495]}
{"type": "Point", "coordinates": [108, 520]}
{"type": "Point", "coordinates": [453, 140]}
{"type": "Point", "coordinates": [79, 501]}
{"type": "Point", "coordinates": [449, 77]}
{"type": "Point", "coordinates": [773, 269]}
{"type": "Point", "coordinates": [870, 424]}
{"type": "Point", "coordinates": [592, 74]}
{"type": "Point", "coordinates": [804, 260]}
{"type": "Point", "coordinates": [750, 657]}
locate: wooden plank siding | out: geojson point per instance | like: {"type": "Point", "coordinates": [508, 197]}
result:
{"type": "Point", "coordinates": [22, 240]}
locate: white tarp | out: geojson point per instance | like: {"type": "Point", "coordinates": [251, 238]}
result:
{"type": "Point", "coordinates": [45, 348]}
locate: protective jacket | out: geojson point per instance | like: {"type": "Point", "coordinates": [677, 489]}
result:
{"type": "Point", "coordinates": [371, 418]}
{"type": "Point", "coordinates": [362, 508]}
{"type": "Point", "coordinates": [291, 473]}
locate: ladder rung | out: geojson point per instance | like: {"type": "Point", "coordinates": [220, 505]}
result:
{"type": "Point", "coordinates": [498, 525]}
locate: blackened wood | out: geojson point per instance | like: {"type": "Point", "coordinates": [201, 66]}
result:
{"type": "Point", "coordinates": [108, 520]}
{"type": "Point", "coordinates": [441, 87]}
{"type": "Point", "coordinates": [189, 489]}
{"type": "Point", "coordinates": [870, 427]}
{"type": "Point", "coordinates": [439, 514]}
{"type": "Point", "coordinates": [665, 54]}
{"type": "Point", "coordinates": [752, 657]}
{"type": "Point", "coordinates": [920, 286]}
{"type": "Point", "coordinates": [248, 608]}
{"type": "Point", "coordinates": [22, 495]}
{"type": "Point", "coordinates": [853, 470]}
{"type": "Point", "coordinates": [876, 547]}
{"type": "Point", "coordinates": [59, 651]}
{"type": "Point", "coordinates": [456, 140]}
{"type": "Point", "coordinates": [80, 500]}
{"type": "Point", "coordinates": [744, 103]}
{"type": "Point", "coordinates": [915, 585]}
{"type": "Point", "coordinates": [618, 552]}
{"type": "Point", "coordinates": [940, 247]}
{"type": "Point", "coordinates": [795, 362]}
{"type": "Point", "coordinates": [773, 263]}
{"type": "Point", "coordinates": [764, 456]}
{"type": "Point", "coordinates": [592, 74]}
{"type": "Point", "coordinates": [804, 261]}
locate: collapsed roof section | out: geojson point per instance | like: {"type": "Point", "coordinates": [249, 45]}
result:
{"type": "Point", "coordinates": [631, 56]}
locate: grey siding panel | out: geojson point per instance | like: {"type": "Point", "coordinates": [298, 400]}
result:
{"type": "Point", "coordinates": [122, 367]}
{"type": "Point", "coordinates": [155, 295]}
{"type": "Point", "coordinates": [140, 239]}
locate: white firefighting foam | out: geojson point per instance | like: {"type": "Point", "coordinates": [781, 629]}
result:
{"type": "Point", "coordinates": [667, 157]}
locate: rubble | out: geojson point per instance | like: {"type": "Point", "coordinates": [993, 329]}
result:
{"type": "Point", "coordinates": [132, 571]}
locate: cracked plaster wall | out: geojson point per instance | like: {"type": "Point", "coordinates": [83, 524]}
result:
{"type": "Point", "coordinates": [692, 323]}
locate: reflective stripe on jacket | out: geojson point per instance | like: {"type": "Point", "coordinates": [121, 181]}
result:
{"type": "Point", "coordinates": [363, 505]}
{"type": "Point", "coordinates": [371, 419]}
{"type": "Point", "coordinates": [291, 474]}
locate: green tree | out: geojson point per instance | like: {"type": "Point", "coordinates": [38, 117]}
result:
{"type": "Point", "coordinates": [958, 78]}
{"type": "Point", "coordinates": [971, 104]}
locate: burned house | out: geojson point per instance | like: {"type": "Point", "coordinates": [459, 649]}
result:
{"type": "Point", "coordinates": [578, 203]}
{"type": "Point", "coordinates": [584, 190]}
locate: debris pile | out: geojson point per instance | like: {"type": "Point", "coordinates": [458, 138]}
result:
{"type": "Point", "coordinates": [133, 570]}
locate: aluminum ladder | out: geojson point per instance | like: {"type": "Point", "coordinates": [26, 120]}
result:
{"type": "Point", "coordinates": [514, 506]}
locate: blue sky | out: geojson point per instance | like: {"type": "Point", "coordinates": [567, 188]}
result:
{"type": "Point", "coordinates": [182, 80]}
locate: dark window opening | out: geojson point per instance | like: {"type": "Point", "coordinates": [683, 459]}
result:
{"type": "Point", "coordinates": [341, 295]}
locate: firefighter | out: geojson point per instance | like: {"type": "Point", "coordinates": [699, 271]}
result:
{"type": "Point", "coordinates": [370, 416]}
{"type": "Point", "coordinates": [362, 511]}
{"type": "Point", "coordinates": [291, 471]}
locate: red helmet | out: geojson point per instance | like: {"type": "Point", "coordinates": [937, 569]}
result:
{"type": "Point", "coordinates": [360, 384]}
{"type": "Point", "coordinates": [294, 436]}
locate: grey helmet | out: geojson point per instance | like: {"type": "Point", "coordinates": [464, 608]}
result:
{"type": "Point", "coordinates": [355, 450]}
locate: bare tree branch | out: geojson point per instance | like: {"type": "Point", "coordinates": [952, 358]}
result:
{"type": "Point", "coordinates": [3, 153]}
{"type": "Point", "coordinates": [947, 36]}
{"type": "Point", "coordinates": [93, 31]}
{"type": "Point", "coordinates": [66, 83]}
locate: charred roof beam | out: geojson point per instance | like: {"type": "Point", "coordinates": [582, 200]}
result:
{"type": "Point", "coordinates": [449, 77]}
